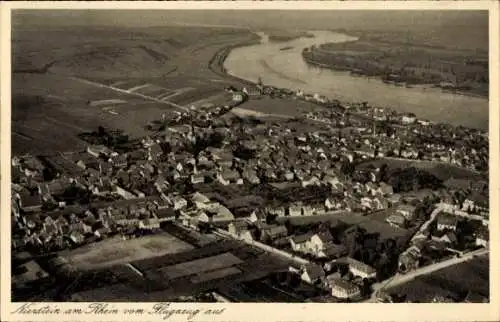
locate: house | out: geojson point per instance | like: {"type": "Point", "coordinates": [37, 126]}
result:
{"type": "Point", "coordinates": [408, 119]}
{"type": "Point", "coordinates": [200, 200]}
{"type": "Point", "coordinates": [276, 211]}
{"type": "Point", "coordinates": [446, 221]}
{"type": "Point", "coordinates": [312, 273]}
{"type": "Point", "coordinates": [257, 216]}
{"type": "Point", "coordinates": [237, 97]}
{"type": "Point", "coordinates": [179, 202]}
{"type": "Point", "coordinates": [341, 288]}
{"type": "Point", "coordinates": [236, 227]}
{"type": "Point", "coordinates": [227, 177]}
{"type": "Point", "coordinates": [295, 210]}
{"type": "Point", "coordinates": [385, 189]}
{"type": "Point", "coordinates": [165, 214]}
{"type": "Point", "coordinates": [482, 237]}
{"type": "Point", "coordinates": [320, 241]}
{"type": "Point", "coordinates": [447, 238]}
{"type": "Point", "coordinates": [394, 199]}
{"type": "Point", "coordinates": [333, 251]}
{"type": "Point", "coordinates": [154, 152]}
{"type": "Point", "coordinates": [331, 203]}
{"type": "Point", "coordinates": [76, 237]}
{"type": "Point", "coordinates": [98, 150]}
{"type": "Point", "coordinates": [476, 202]}
{"type": "Point", "coordinates": [473, 297]}
{"type": "Point", "coordinates": [409, 259]}
{"type": "Point", "coordinates": [247, 235]}
{"type": "Point", "coordinates": [274, 232]}
{"type": "Point", "coordinates": [396, 220]}
{"type": "Point", "coordinates": [300, 243]}
{"type": "Point", "coordinates": [30, 203]}
{"type": "Point", "coordinates": [361, 269]}
{"type": "Point", "coordinates": [219, 213]}
{"type": "Point", "coordinates": [407, 211]}
{"type": "Point", "coordinates": [308, 210]}
{"type": "Point", "coordinates": [197, 178]}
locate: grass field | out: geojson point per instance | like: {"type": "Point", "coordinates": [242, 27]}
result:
{"type": "Point", "coordinates": [155, 62]}
{"type": "Point", "coordinates": [440, 170]}
{"type": "Point", "coordinates": [115, 251]}
{"type": "Point", "coordinates": [454, 281]}
{"type": "Point", "coordinates": [372, 225]}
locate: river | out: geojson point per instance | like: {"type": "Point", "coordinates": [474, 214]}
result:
{"type": "Point", "coordinates": [287, 69]}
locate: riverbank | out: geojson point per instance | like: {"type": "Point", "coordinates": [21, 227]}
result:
{"type": "Point", "coordinates": [405, 64]}
{"type": "Point", "coordinates": [216, 63]}
{"type": "Point", "coordinates": [245, 64]}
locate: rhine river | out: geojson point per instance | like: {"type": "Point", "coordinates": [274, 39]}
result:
{"type": "Point", "coordinates": [281, 65]}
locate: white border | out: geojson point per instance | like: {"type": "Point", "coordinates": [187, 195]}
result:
{"type": "Point", "coordinates": [283, 312]}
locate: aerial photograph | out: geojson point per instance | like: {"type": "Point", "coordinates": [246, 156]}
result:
{"type": "Point", "coordinates": [279, 156]}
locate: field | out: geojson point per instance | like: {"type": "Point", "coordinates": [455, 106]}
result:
{"type": "Point", "coordinates": [415, 58]}
{"type": "Point", "coordinates": [454, 281]}
{"type": "Point", "coordinates": [118, 78]}
{"type": "Point", "coordinates": [440, 170]}
{"type": "Point", "coordinates": [116, 251]}
{"type": "Point", "coordinates": [372, 225]}
{"type": "Point", "coordinates": [202, 265]}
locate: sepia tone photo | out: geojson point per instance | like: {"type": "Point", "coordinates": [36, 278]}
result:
{"type": "Point", "coordinates": [250, 156]}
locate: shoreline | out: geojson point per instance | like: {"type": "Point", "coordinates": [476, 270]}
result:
{"type": "Point", "coordinates": [314, 63]}
{"type": "Point", "coordinates": [216, 65]}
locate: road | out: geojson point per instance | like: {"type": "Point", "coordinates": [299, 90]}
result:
{"type": "Point", "coordinates": [399, 279]}
{"type": "Point", "coordinates": [124, 91]}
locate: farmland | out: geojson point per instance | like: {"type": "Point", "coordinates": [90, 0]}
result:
{"type": "Point", "coordinates": [440, 170]}
{"type": "Point", "coordinates": [73, 86]}
{"type": "Point", "coordinates": [372, 225]}
{"type": "Point", "coordinates": [114, 251]}
{"type": "Point", "coordinates": [412, 58]}
{"type": "Point", "coordinates": [454, 281]}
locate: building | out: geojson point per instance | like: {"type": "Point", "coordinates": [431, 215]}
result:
{"type": "Point", "coordinates": [408, 119]}
{"type": "Point", "coordinates": [312, 273]}
{"type": "Point", "coordinates": [179, 202]}
{"type": "Point", "coordinates": [333, 251]}
{"type": "Point", "coordinates": [319, 242]}
{"type": "Point", "coordinates": [446, 221]}
{"type": "Point", "coordinates": [299, 243]}
{"type": "Point", "coordinates": [407, 211]}
{"type": "Point", "coordinates": [361, 269]}
{"type": "Point", "coordinates": [408, 260]}
{"type": "Point", "coordinates": [257, 217]}
{"type": "Point", "coordinates": [236, 227]}
{"type": "Point", "coordinates": [295, 210]}
{"type": "Point", "coordinates": [396, 220]}
{"type": "Point", "coordinates": [274, 232]}
{"type": "Point", "coordinates": [342, 289]}
{"type": "Point", "coordinates": [30, 203]}
{"type": "Point", "coordinates": [482, 237]}
{"type": "Point", "coordinates": [227, 177]}
{"type": "Point", "coordinates": [98, 150]}
{"type": "Point", "coordinates": [473, 297]}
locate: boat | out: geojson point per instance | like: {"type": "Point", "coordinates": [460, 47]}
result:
{"type": "Point", "coordinates": [286, 48]}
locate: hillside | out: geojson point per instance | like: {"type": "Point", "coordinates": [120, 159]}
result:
{"type": "Point", "coordinates": [106, 51]}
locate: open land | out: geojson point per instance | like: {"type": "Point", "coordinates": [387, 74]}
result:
{"type": "Point", "coordinates": [438, 169]}
{"type": "Point", "coordinates": [79, 74]}
{"type": "Point", "coordinates": [410, 58]}
{"type": "Point", "coordinates": [114, 251]}
{"type": "Point", "coordinates": [101, 82]}
{"type": "Point", "coordinates": [454, 281]}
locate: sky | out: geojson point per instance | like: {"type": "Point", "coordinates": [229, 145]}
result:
{"type": "Point", "coordinates": [467, 27]}
{"type": "Point", "coordinates": [374, 19]}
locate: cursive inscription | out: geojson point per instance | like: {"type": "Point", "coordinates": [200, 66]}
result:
{"type": "Point", "coordinates": [174, 311]}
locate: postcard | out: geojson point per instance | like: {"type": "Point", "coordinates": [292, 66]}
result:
{"type": "Point", "coordinates": [246, 161]}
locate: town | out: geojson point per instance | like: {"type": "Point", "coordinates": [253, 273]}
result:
{"type": "Point", "coordinates": [339, 204]}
